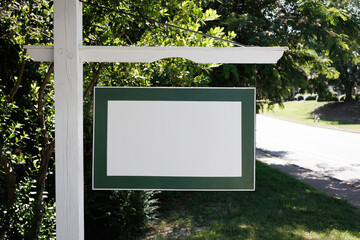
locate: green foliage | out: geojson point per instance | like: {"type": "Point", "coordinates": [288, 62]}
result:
{"type": "Point", "coordinates": [327, 96]}
{"type": "Point", "coordinates": [118, 214]}
{"type": "Point", "coordinates": [311, 98]}
{"type": "Point", "coordinates": [357, 97]}
{"type": "Point", "coordinates": [165, 72]}
{"type": "Point", "coordinates": [319, 34]}
{"type": "Point", "coordinates": [12, 131]}
{"type": "Point", "coordinates": [23, 22]}
{"type": "Point", "coordinates": [28, 21]}
{"type": "Point", "coordinates": [18, 215]}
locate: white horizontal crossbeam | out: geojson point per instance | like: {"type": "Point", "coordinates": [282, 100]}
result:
{"type": "Point", "coordinates": [245, 55]}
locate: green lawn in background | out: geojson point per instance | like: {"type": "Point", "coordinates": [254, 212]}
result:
{"type": "Point", "coordinates": [280, 208]}
{"type": "Point", "coordinates": [301, 111]}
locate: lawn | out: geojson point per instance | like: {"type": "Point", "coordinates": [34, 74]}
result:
{"type": "Point", "coordinates": [280, 208]}
{"type": "Point", "coordinates": [342, 116]}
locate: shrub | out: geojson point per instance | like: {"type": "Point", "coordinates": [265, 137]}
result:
{"type": "Point", "coordinates": [327, 97]}
{"type": "Point", "coordinates": [299, 97]}
{"type": "Point", "coordinates": [118, 214]}
{"type": "Point", "coordinates": [15, 219]}
{"type": "Point", "coordinates": [311, 97]}
{"type": "Point", "coordinates": [334, 98]}
{"type": "Point", "coordinates": [324, 96]}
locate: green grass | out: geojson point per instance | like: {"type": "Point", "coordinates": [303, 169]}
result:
{"type": "Point", "coordinates": [280, 208]}
{"type": "Point", "coordinates": [300, 111]}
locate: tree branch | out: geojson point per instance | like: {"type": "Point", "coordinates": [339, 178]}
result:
{"type": "Point", "coordinates": [94, 80]}
{"type": "Point", "coordinates": [46, 152]}
{"type": "Point", "coordinates": [20, 74]}
{"type": "Point", "coordinates": [38, 207]}
{"type": "Point", "coordinates": [41, 96]}
{"type": "Point", "coordinates": [10, 178]}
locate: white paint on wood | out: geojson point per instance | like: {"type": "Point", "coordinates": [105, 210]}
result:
{"type": "Point", "coordinates": [174, 138]}
{"type": "Point", "coordinates": [197, 54]}
{"type": "Point", "coordinates": [68, 119]}
{"type": "Point", "coordinates": [245, 55]}
{"type": "Point", "coordinates": [41, 53]}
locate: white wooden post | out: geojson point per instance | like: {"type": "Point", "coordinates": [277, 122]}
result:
{"type": "Point", "coordinates": [68, 119]}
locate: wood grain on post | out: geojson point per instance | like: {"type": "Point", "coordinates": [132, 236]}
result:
{"type": "Point", "coordinates": [68, 119]}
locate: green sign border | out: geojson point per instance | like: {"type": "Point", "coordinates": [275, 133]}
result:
{"type": "Point", "coordinates": [103, 182]}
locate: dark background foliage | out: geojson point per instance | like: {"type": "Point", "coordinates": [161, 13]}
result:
{"type": "Point", "coordinates": [323, 41]}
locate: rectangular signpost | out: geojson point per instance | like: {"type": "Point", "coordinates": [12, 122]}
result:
{"type": "Point", "coordinates": [68, 55]}
{"type": "Point", "coordinates": [174, 138]}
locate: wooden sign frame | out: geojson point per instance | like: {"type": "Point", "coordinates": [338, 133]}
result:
{"type": "Point", "coordinates": [243, 180]}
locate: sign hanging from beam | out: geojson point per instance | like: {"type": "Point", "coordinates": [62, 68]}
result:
{"type": "Point", "coordinates": [244, 55]}
{"type": "Point", "coordinates": [68, 56]}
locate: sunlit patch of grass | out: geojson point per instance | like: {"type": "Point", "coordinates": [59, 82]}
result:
{"type": "Point", "coordinates": [329, 234]}
{"type": "Point", "coordinates": [280, 208]}
{"type": "Point", "coordinates": [301, 111]}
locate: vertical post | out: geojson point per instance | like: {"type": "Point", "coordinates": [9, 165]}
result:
{"type": "Point", "coordinates": [68, 120]}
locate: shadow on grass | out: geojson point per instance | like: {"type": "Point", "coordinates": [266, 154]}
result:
{"type": "Point", "coordinates": [349, 190]}
{"type": "Point", "coordinates": [332, 186]}
{"type": "Point", "coordinates": [280, 208]}
{"type": "Point", "coordinates": [340, 112]}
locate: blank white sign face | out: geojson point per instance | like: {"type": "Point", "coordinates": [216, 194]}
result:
{"type": "Point", "coordinates": [174, 138]}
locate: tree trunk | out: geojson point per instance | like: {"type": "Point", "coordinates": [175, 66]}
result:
{"type": "Point", "coordinates": [94, 80]}
{"type": "Point", "coordinates": [10, 179]}
{"type": "Point", "coordinates": [38, 207]}
{"type": "Point", "coordinates": [20, 74]}
{"type": "Point", "coordinates": [48, 147]}
{"type": "Point", "coordinates": [348, 96]}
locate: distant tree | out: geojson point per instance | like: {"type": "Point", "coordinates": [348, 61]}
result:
{"type": "Point", "coordinates": [346, 57]}
{"type": "Point", "coordinates": [349, 76]}
{"type": "Point", "coordinates": [312, 30]}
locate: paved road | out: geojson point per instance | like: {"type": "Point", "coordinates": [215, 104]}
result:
{"type": "Point", "coordinates": [332, 153]}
